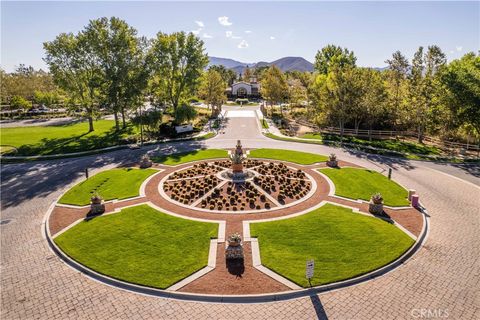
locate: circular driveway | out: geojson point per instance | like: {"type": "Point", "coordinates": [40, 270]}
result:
{"type": "Point", "coordinates": [443, 278]}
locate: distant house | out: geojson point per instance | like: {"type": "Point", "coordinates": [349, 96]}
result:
{"type": "Point", "coordinates": [243, 89]}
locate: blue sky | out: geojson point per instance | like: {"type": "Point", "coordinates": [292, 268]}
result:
{"type": "Point", "coordinates": [256, 31]}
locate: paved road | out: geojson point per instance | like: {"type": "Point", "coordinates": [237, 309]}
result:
{"type": "Point", "coordinates": [442, 278]}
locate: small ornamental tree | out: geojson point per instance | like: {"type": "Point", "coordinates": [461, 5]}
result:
{"type": "Point", "coordinates": [185, 113]}
{"type": "Point", "coordinates": [18, 102]}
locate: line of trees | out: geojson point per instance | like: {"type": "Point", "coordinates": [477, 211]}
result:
{"type": "Point", "coordinates": [108, 65]}
{"type": "Point", "coordinates": [427, 95]}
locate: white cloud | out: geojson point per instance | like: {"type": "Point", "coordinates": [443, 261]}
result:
{"type": "Point", "coordinates": [451, 51]}
{"type": "Point", "coordinates": [272, 38]}
{"type": "Point", "coordinates": [459, 48]}
{"type": "Point", "coordinates": [229, 34]}
{"type": "Point", "coordinates": [248, 31]}
{"type": "Point", "coordinates": [207, 36]}
{"type": "Point", "coordinates": [196, 32]}
{"type": "Point", "coordinates": [243, 44]}
{"type": "Point", "coordinates": [200, 23]}
{"type": "Point", "coordinates": [224, 21]}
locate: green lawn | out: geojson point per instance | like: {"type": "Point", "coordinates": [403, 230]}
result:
{"type": "Point", "coordinates": [140, 245]}
{"type": "Point", "coordinates": [394, 145]}
{"type": "Point", "coordinates": [179, 158]}
{"type": "Point", "coordinates": [342, 243]}
{"type": "Point", "coordinates": [264, 123]}
{"type": "Point", "coordinates": [357, 183]}
{"type": "Point", "coordinates": [111, 184]}
{"type": "Point", "coordinates": [288, 155]}
{"type": "Point", "coordinates": [46, 140]}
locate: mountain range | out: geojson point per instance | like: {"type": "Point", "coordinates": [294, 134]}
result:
{"type": "Point", "coordinates": [284, 64]}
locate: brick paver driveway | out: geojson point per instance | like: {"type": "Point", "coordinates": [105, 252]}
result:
{"type": "Point", "coordinates": [441, 280]}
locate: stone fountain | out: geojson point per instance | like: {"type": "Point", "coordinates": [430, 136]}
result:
{"type": "Point", "coordinates": [238, 173]}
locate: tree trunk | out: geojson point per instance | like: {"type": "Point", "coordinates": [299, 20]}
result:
{"type": "Point", "coordinates": [90, 124]}
{"type": "Point", "coordinates": [420, 134]}
{"type": "Point", "coordinates": [341, 131]}
{"type": "Point", "coordinates": [124, 124]}
{"type": "Point", "coordinates": [117, 124]}
{"type": "Point", "coordinates": [357, 125]}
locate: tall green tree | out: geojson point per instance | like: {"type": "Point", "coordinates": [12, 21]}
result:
{"type": "Point", "coordinates": [461, 82]}
{"type": "Point", "coordinates": [417, 92]}
{"type": "Point", "coordinates": [228, 75]}
{"type": "Point", "coordinates": [23, 82]}
{"type": "Point", "coordinates": [332, 56]}
{"type": "Point", "coordinates": [274, 87]}
{"type": "Point", "coordinates": [396, 78]}
{"type": "Point", "coordinates": [76, 69]}
{"type": "Point", "coordinates": [373, 97]}
{"type": "Point", "coordinates": [297, 93]}
{"type": "Point", "coordinates": [119, 51]}
{"type": "Point", "coordinates": [338, 95]}
{"type": "Point", "coordinates": [178, 60]}
{"type": "Point", "coordinates": [212, 90]}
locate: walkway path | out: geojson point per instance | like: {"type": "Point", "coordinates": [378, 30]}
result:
{"type": "Point", "coordinates": [442, 277]}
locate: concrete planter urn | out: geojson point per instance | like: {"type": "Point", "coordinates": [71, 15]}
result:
{"type": "Point", "coordinates": [234, 240]}
{"type": "Point", "coordinates": [237, 167]}
{"type": "Point", "coordinates": [375, 205]}
{"type": "Point", "coordinates": [332, 161]}
{"type": "Point", "coordinates": [145, 162]}
{"type": "Point", "coordinates": [97, 206]}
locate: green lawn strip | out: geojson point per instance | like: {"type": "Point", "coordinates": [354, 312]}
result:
{"type": "Point", "coordinates": [357, 183]}
{"type": "Point", "coordinates": [275, 137]}
{"type": "Point", "coordinates": [179, 158]}
{"type": "Point", "coordinates": [342, 243]}
{"type": "Point", "coordinates": [205, 136]}
{"type": "Point", "coordinates": [46, 140]}
{"type": "Point", "coordinates": [288, 155]}
{"type": "Point", "coordinates": [118, 183]}
{"type": "Point", "coordinates": [140, 245]}
{"type": "Point", "coordinates": [264, 123]}
{"type": "Point", "coordinates": [394, 145]}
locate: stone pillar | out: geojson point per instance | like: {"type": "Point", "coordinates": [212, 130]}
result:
{"type": "Point", "coordinates": [411, 192]}
{"type": "Point", "coordinates": [415, 201]}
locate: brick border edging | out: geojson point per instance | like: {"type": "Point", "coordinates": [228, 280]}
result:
{"type": "Point", "coordinates": [254, 298]}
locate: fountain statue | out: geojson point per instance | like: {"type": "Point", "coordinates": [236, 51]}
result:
{"type": "Point", "coordinates": [237, 172]}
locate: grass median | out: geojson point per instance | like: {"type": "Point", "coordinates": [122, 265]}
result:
{"type": "Point", "coordinates": [357, 183]}
{"type": "Point", "coordinates": [184, 157]}
{"type": "Point", "coordinates": [288, 155]}
{"type": "Point", "coordinates": [119, 183]}
{"type": "Point", "coordinates": [140, 245]}
{"type": "Point", "coordinates": [343, 244]}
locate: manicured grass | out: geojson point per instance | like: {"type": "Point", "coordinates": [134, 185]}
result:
{"type": "Point", "coordinates": [111, 184]}
{"type": "Point", "coordinates": [394, 145]}
{"type": "Point", "coordinates": [275, 137]}
{"type": "Point", "coordinates": [205, 136]}
{"type": "Point", "coordinates": [264, 123]}
{"type": "Point", "coordinates": [140, 245]}
{"type": "Point", "coordinates": [361, 184]}
{"type": "Point", "coordinates": [179, 158]}
{"type": "Point", "coordinates": [288, 155]}
{"type": "Point", "coordinates": [46, 140]}
{"type": "Point", "coordinates": [343, 244]}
